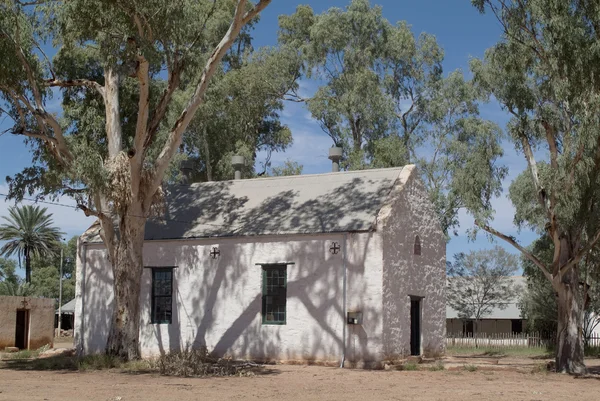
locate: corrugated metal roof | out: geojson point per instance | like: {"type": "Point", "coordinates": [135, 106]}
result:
{"type": "Point", "coordinates": [68, 308]}
{"type": "Point", "coordinates": [511, 311]}
{"type": "Point", "coordinates": [303, 204]}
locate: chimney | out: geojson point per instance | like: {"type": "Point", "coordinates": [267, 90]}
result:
{"type": "Point", "coordinates": [237, 162]}
{"type": "Point", "coordinates": [335, 155]}
{"type": "Point", "coordinates": [186, 168]}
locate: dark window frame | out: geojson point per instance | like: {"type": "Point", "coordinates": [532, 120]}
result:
{"type": "Point", "coordinates": [153, 317]}
{"type": "Point", "coordinates": [281, 295]}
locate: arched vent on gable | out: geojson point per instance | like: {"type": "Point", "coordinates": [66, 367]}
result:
{"type": "Point", "coordinates": [417, 247]}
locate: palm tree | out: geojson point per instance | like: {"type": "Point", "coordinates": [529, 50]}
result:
{"type": "Point", "coordinates": [17, 290]}
{"type": "Point", "coordinates": [29, 232]}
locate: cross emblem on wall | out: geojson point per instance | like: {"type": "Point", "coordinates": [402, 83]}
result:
{"type": "Point", "coordinates": [335, 248]}
{"type": "Point", "coordinates": [215, 252]}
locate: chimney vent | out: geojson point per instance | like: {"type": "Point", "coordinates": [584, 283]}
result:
{"type": "Point", "coordinates": [237, 162]}
{"type": "Point", "coordinates": [335, 155]}
{"type": "Point", "coordinates": [186, 167]}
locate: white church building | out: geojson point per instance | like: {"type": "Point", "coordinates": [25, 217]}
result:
{"type": "Point", "coordinates": [342, 268]}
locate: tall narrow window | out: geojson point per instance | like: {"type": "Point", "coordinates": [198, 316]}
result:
{"type": "Point", "coordinates": [417, 247]}
{"type": "Point", "coordinates": [162, 294]}
{"type": "Point", "coordinates": [274, 294]}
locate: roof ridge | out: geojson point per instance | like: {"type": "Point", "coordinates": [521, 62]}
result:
{"type": "Point", "coordinates": [300, 176]}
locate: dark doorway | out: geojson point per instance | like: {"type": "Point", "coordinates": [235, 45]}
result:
{"type": "Point", "coordinates": [415, 326]}
{"type": "Point", "coordinates": [517, 325]}
{"type": "Point", "coordinates": [468, 328]}
{"type": "Point", "coordinates": [22, 329]}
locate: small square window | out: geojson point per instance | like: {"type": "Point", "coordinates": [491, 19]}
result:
{"type": "Point", "coordinates": [274, 294]}
{"type": "Point", "coordinates": [162, 295]}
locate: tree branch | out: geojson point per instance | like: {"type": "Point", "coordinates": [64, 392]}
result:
{"type": "Point", "coordinates": [161, 109]}
{"type": "Point", "coordinates": [136, 160]}
{"type": "Point", "coordinates": [175, 136]}
{"type": "Point", "coordinates": [564, 269]}
{"type": "Point", "coordinates": [515, 244]}
{"type": "Point", "coordinates": [111, 105]}
{"type": "Point", "coordinates": [75, 82]}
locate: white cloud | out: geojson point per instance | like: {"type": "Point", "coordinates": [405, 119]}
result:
{"type": "Point", "coordinates": [70, 220]}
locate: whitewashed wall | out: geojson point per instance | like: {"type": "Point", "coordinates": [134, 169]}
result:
{"type": "Point", "coordinates": [406, 274]}
{"type": "Point", "coordinates": [218, 302]}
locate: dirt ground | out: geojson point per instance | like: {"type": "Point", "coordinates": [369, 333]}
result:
{"type": "Point", "coordinates": [492, 378]}
{"type": "Point", "coordinates": [283, 383]}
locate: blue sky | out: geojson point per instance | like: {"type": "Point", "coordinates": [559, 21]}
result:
{"type": "Point", "coordinates": [460, 30]}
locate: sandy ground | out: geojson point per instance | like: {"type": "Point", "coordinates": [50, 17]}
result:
{"type": "Point", "coordinates": [298, 383]}
{"type": "Point", "coordinates": [494, 379]}
{"type": "Point", "coordinates": [63, 342]}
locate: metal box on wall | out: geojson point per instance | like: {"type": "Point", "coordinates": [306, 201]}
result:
{"type": "Point", "coordinates": [355, 317]}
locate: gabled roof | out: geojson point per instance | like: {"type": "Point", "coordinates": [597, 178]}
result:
{"type": "Point", "coordinates": [511, 311]}
{"type": "Point", "coordinates": [68, 308]}
{"type": "Point", "coordinates": [304, 204]}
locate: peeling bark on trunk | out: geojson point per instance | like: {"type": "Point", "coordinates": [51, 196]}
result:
{"type": "Point", "coordinates": [569, 350]}
{"type": "Point", "coordinates": [123, 339]}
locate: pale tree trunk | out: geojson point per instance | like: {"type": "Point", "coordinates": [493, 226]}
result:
{"type": "Point", "coordinates": [123, 339]}
{"type": "Point", "coordinates": [125, 246]}
{"type": "Point", "coordinates": [569, 346]}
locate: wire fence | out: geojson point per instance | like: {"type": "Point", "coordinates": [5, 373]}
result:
{"type": "Point", "coordinates": [509, 340]}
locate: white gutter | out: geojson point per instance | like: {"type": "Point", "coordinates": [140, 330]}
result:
{"type": "Point", "coordinates": [344, 301]}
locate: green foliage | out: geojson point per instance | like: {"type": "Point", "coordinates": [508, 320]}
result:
{"type": "Point", "coordinates": [29, 233]}
{"type": "Point", "coordinates": [17, 289]}
{"type": "Point", "coordinates": [480, 281]}
{"type": "Point", "coordinates": [240, 108]}
{"type": "Point", "coordinates": [386, 101]}
{"type": "Point", "coordinates": [539, 303]}
{"type": "Point", "coordinates": [7, 271]}
{"type": "Point", "coordinates": [46, 272]}
{"type": "Point", "coordinates": [543, 71]}
{"type": "Point", "coordinates": [527, 73]}
{"type": "Point", "coordinates": [289, 167]}
{"type": "Point", "coordinates": [241, 113]}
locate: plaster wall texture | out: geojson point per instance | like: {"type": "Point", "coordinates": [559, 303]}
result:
{"type": "Point", "coordinates": [407, 275]}
{"type": "Point", "coordinates": [218, 302]}
{"type": "Point", "coordinates": [41, 320]}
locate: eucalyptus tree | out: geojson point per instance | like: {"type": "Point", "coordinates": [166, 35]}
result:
{"type": "Point", "coordinates": [120, 66]}
{"type": "Point", "coordinates": [241, 112]}
{"type": "Point", "coordinates": [544, 71]}
{"type": "Point", "coordinates": [29, 233]}
{"type": "Point", "coordinates": [539, 302]}
{"type": "Point", "coordinates": [385, 100]}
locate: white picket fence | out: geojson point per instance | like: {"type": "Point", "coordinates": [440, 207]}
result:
{"type": "Point", "coordinates": [507, 340]}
